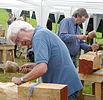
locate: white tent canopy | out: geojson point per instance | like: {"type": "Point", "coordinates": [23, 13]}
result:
{"type": "Point", "coordinates": [42, 9]}
{"type": "Point", "coordinates": [16, 6]}
{"type": "Point", "coordinates": [93, 7]}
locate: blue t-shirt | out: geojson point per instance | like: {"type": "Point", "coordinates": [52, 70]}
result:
{"type": "Point", "coordinates": [49, 48]}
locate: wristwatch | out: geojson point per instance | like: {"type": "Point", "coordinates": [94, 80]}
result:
{"type": "Point", "coordinates": [22, 81]}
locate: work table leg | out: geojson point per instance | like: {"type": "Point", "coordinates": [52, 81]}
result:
{"type": "Point", "coordinates": [80, 92]}
{"type": "Point", "coordinates": [1, 55]}
{"type": "Point", "coordinates": [98, 91]}
{"type": "Point", "coordinates": [12, 58]}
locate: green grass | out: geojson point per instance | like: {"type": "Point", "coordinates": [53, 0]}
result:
{"type": "Point", "coordinates": [87, 88]}
{"type": "Point", "coordinates": [3, 19]}
{"type": "Point", "coordinates": [99, 38]}
{"type": "Point", "coordinates": [8, 76]}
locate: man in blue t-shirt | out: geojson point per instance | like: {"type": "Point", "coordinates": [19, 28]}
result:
{"type": "Point", "coordinates": [52, 60]}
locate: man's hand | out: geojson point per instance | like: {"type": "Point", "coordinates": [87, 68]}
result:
{"type": "Point", "coordinates": [24, 68]}
{"type": "Point", "coordinates": [16, 80]}
{"type": "Point", "coordinates": [95, 46]}
{"type": "Point", "coordinates": [82, 37]}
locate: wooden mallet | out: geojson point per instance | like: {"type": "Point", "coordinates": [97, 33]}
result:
{"type": "Point", "coordinates": [92, 34]}
{"type": "Point", "coordinates": [12, 67]}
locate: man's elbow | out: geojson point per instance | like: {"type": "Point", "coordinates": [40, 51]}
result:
{"type": "Point", "coordinates": [44, 70]}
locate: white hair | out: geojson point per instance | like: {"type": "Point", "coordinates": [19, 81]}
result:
{"type": "Point", "coordinates": [15, 28]}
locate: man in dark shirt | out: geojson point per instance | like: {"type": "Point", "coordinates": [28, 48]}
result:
{"type": "Point", "coordinates": [70, 32]}
{"type": "Point", "coordinates": [49, 24]}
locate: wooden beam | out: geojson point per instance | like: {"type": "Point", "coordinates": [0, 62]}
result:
{"type": "Point", "coordinates": [91, 77]}
{"type": "Point", "coordinates": [2, 65]}
{"type": "Point", "coordinates": [88, 97]}
{"type": "Point", "coordinates": [80, 92]}
{"type": "Point", "coordinates": [98, 91]}
{"type": "Point", "coordinates": [43, 91]}
{"type": "Point", "coordinates": [89, 62]}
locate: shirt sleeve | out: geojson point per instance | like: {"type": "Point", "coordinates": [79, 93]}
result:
{"type": "Point", "coordinates": [84, 46]}
{"type": "Point", "coordinates": [41, 51]}
{"type": "Point", "coordinates": [64, 33]}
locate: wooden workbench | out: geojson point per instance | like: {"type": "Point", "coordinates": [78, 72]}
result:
{"type": "Point", "coordinates": [97, 78]}
{"type": "Point", "coordinates": [5, 54]}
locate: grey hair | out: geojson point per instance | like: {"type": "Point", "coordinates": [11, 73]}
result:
{"type": "Point", "coordinates": [80, 12]}
{"type": "Point", "coordinates": [15, 28]}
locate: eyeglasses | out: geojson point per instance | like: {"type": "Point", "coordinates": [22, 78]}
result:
{"type": "Point", "coordinates": [17, 40]}
{"type": "Point", "coordinates": [83, 18]}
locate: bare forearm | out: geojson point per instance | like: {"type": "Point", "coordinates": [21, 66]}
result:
{"type": "Point", "coordinates": [34, 74]}
{"type": "Point", "coordinates": [31, 66]}
{"type": "Point", "coordinates": [37, 72]}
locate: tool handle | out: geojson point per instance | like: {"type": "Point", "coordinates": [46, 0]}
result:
{"type": "Point", "coordinates": [28, 69]}
{"type": "Point", "coordinates": [96, 50]}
